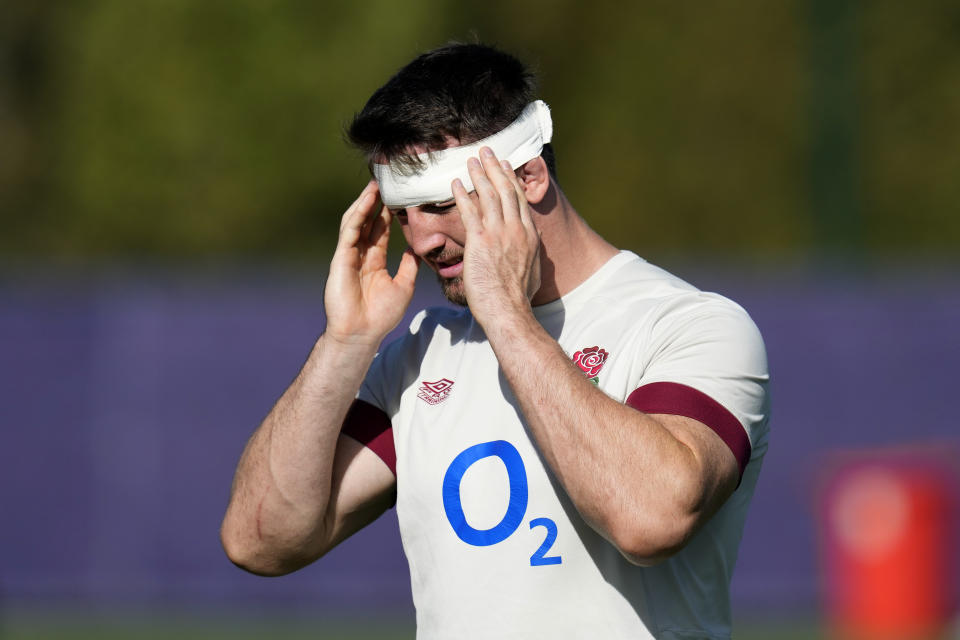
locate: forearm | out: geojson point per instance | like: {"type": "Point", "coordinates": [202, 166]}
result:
{"type": "Point", "coordinates": [281, 491]}
{"type": "Point", "coordinates": [645, 482]}
{"type": "Point", "coordinates": [628, 475]}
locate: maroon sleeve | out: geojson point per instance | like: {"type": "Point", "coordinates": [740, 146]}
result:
{"type": "Point", "coordinates": [371, 427]}
{"type": "Point", "coordinates": [680, 400]}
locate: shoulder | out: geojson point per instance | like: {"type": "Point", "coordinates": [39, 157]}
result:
{"type": "Point", "coordinates": [645, 298]}
{"type": "Point", "coordinates": [668, 303]}
{"type": "Point", "coordinates": [708, 322]}
{"type": "Point", "coordinates": [706, 342]}
{"type": "Point", "coordinates": [627, 282]}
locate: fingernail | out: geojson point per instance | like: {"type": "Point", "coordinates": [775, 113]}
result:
{"type": "Point", "coordinates": [473, 162]}
{"type": "Point", "coordinates": [486, 152]}
{"type": "Point", "coordinates": [506, 165]}
{"type": "Point", "coordinates": [457, 183]}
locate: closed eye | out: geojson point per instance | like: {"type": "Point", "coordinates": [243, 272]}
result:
{"type": "Point", "coordinates": [434, 208]}
{"type": "Point", "coordinates": [441, 207]}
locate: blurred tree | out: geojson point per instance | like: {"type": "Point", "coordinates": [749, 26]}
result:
{"type": "Point", "coordinates": [678, 130]}
{"type": "Point", "coordinates": [834, 158]}
{"type": "Point", "coordinates": [213, 129]}
{"type": "Point", "coordinates": [910, 111]}
{"type": "Point", "coordinates": [28, 36]}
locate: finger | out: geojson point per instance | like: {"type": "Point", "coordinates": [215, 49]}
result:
{"type": "Point", "coordinates": [489, 199]}
{"type": "Point", "coordinates": [380, 229]}
{"type": "Point", "coordinates": [469, 214]}
{"type": "Point", "coordinates": [372, 226]}
{"type": "Point", "coordinates": [352, 225]}
{"type": "Point", "coordinates": [524, 206]}
{"type": "Point", "coordinates": [407, 271]}
{"type": "Point", "coordinates": [494, 171]}
{"type": "Point", "coordinates": [352, 209]}
{"type": "Point", "coordinates": [366, 230]}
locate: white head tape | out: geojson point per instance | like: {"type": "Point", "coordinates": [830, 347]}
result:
{"type": "Point", "coordinates": [521, 141]}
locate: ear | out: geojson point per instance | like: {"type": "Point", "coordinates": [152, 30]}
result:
{"type": "Point", "coordinates": [535, 178]}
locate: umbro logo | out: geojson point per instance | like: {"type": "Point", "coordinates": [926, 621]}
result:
{"type": "Point", "coordinates": [435, 392]}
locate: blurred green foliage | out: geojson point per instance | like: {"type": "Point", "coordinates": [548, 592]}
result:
{"type": "Point", "coordinates": [183, 129]}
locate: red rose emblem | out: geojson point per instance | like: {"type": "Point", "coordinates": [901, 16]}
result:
{"type": "Point", "coordinates": [590, 360]}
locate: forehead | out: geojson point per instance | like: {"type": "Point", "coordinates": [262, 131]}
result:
{"type": "Point", "coordinates": [427, 170]}
{"type": "Point", "coordinates": [521, 141]}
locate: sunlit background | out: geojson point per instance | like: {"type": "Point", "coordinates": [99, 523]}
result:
{"type": "Point", "coordinates": [171, 174]}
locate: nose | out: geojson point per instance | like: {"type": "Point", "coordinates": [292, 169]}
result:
{"type": "Point", "coordinates": [426, 233]}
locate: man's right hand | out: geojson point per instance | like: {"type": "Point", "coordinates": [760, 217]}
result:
{"type": "Point", "coordinates": [301, 486]}
{"type": "Point", "coordinates": [363, 302]}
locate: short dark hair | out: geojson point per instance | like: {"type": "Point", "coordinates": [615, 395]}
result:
{"type": "Point", "coordinates": [463, 91]}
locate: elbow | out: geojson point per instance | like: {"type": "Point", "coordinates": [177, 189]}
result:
{"type": "Point", "coordinates": [649, 543]}
{"type": "Point", "coordinates": [648, 553]}
{"type": "Point", "coordinates": [244, 554]}
{"type": "Point", "coordinates": [648, 533]}
{"type": "Point", "coordinates": [254, 557]}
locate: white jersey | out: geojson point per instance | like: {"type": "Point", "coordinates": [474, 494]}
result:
{"type": "Point", "coordinates": [496, 548]}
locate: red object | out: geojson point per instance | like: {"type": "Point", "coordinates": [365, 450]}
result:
{"type": "Point", "coordinates": [889, 537]}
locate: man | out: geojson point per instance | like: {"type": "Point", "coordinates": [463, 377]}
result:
{"type": "Point", "coordinates": [572, 453]}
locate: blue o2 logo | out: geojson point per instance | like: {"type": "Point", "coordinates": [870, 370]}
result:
{"type": "Point", "coordinates": [516, 507]}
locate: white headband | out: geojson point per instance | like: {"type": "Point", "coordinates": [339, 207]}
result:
{"type": "Point", "coordinates": [521, 141]}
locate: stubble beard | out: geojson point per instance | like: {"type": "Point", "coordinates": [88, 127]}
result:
{"type": "Point", "coordinates": [453, 290]}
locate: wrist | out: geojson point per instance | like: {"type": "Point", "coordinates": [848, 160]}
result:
{"type": "Point", "coordinates": [351, 356]}
{"type": "Point", "coordinates": [508, 323]}
{"type": "Point", "coordinates": [494, 310]}
{"type": "Point", "coordinates": [347, 341]}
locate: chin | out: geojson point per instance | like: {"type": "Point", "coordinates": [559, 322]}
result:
{"type": "Point", "coordinates": [453, 290]}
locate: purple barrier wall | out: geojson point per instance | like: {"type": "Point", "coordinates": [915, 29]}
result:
{"type": "Point", "coordinates": [126, 402]}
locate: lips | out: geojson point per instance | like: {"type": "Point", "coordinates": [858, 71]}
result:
{"type": "Point", "coordinates": [450, 268]}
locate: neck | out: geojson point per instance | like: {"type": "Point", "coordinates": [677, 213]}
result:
{"type": "Point", "coordinates": [570, 251]}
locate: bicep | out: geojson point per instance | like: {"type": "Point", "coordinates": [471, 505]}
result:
{"type": "Point", "coordinates": [362, 488]}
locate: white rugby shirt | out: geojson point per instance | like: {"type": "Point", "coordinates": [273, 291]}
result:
{"type": "Point", "coordinates": [496, 548]}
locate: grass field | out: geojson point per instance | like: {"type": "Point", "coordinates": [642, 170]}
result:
{"type": "Point", "coordinates": [36, 626]}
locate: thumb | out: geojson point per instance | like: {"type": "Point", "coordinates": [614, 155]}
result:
{"type": "Point", "coordinates": [407, 271]}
